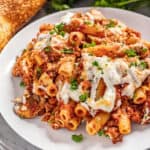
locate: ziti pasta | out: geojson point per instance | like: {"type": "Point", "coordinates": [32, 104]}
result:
{"type": "Point", "coordinates": [87, 68]}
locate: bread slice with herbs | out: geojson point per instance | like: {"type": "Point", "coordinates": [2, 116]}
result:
{"type": "Point", "coordinates": [14, 14]}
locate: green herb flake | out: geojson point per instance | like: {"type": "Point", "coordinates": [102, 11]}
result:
{"type": "Point", "coordinates": [107, 136]}
{"type": "Point", "coordinates": [134, 95]}
{"type": "Point", "coordinates": [47, 49]}
{"type": "Point", "coordinates": [111, 24]}
{"type": "Point", "coordinates": [38, 72]}
{"type": "Point", "coordinates": [62, 33]}
{"type": "Point", "coordinates": [24, 50]}
{"type": "Point", "coordinates": [96, 64]}
{"type": "Point", "coordinates": [87, 22]}
{"type": "Point", "coordinates": [74, 84]}
{"type": "Point", "coordinates": [133, 64]}
{"type": "Point", "coordinates": [77, 138]}
{"type": "Point", "coordinates": [87, 45]}
{"type": "Point", "coordinates": [119, 26]}
{"type": "Point", "coordinates": [131, 53]}
{"type": "Point", "coordinates": [144, 50]}
{"type": "Point", "coordinates": [22, 84]}
{"type": "Point", "coordinates": [101, 133]}
{"type": "Point", "coordinates": [145, 117]}
{"type": "Point", "coordinates": [143, 65]}
{"type": "Point", "coordinates": [90, 54]}
{"type": "Point", "coordinates": [83, 97]}
{"type": "Point", "coordinates": [58, 29]}
{"type": "Point", "coordinates": [67, 51]}
{"type": "Point", "coordinates": [52, 32]}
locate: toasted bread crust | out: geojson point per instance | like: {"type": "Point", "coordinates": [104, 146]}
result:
{"type": "Point", "coordinates": [14, 14]}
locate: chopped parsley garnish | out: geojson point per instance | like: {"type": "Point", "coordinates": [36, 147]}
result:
{"type": "Point", "coordinates": [145, 116]}
{"type": "Point", "coordinates": [111, 24]}
{"type": "Point", "coordinates": [88, 22]}
{"type": "Point", "coordinates": [38, 72]}
{"type": "Point", "coordinates": [143, 65]}
{"type": "Point", "coordinates": [47, 49]}
{"type": "Point", "coordinates": [131, 53]}
{"type": "Point", "coordinates": [119, 26]}
{"type": "Point", "coordinates": [83, 97]}
{"type": "Point", "coordinates": [58, 29]}
{"type": "Point", "coordinates": [102, 133]}
{"type": "Point", "coordinates": [144, 50]}
{"type": "Point", "coordinates": [52, 32]}
{"type": "Point", "coordinates": [22, 84]}
{"type": "Point", "coordinates": [24, 50]}
{"type": "Point", "coordinates": [77, 138]}
{"type": "Point", "coordinates": [67, 51]}
{"type": "Point", "coordinates": [74, 84]}
{"type": "Point", "coordinates": [62, 33]}
{"type": "Point", "coordinates": [86, 45]}
{"type": "Point", "coordinates": [133, 64]}
{"type": "Point", "coordinates": [96, 64]}
{"type": "Point", "coordinates": [90, 54]}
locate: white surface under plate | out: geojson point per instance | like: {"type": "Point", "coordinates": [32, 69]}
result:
{"type": "Point", "coordinates": [39, 133]}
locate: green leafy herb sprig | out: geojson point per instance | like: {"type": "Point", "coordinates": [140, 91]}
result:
{"type": "Point", "coordinates": [124, 4]}
{"type": "Point", "coordinates": [61, 4]}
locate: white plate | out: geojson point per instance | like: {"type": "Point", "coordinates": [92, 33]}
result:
{"type": "Point", "coordinates": [37, 132]}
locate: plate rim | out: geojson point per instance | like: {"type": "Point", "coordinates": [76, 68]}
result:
{"type": "Point", "coordinates": [5, 51]}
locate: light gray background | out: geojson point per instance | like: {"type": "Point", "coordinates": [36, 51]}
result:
{"type": "Point", "coordinates": [9, 140]}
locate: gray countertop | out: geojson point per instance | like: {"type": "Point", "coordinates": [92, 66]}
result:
{"type": "Point", "coordinates": [9, 140]}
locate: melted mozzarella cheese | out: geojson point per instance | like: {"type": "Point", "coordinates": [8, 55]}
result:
{"type": "Point", "coordinates": [118, 28]}
{"type": "Point", "coordinates": [42, 36]}
{"type": "Point", "coordinates": [134, 77]}
{"type": "Point", "coordinates": [66, 93]}
{"type": "Point", "coordinates": [58, 40]}
{"type": "Point", "coordinates": [91, 17]}
{"type": "Point", "coordinates": [41, 44]}
{"type": "Point", "coordinates": [146, 116]}
{"type": "Point", "coordinates": [114, 72]}
{"type": "Point", "coordinates": [24, 66]}
{"type": "Point", "coordinates": [67, 18]}
{"type": "Point", "coordinates": [42, 41]}
{"type": "Point", "coordinates": [23, 108]}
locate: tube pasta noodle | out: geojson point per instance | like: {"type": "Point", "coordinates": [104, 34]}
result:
{"type": "Point", "coordinates": [97, 123]}
{"type": "Point", "coordinates": [45, 79]}
{"type": "Point", "coordinates": [86, 69]}
{"type": "Point", "coordinates": [59, 123]}
{"type": "Point", "coordinates": [80, 110]}
{"type": "Point", "coordinates": [73, 123]}
{"type": "Point", "coordinates": [66, 67]}
{"type": "Point", "coordinates": [52, 90]}
{"type": "Point", "coordinates": [38, 90]}
{"type": "Point", "coordinates": [65, 115]}
{"type": "Point", "coordinates": [39, 60]}
{"type": "Point", "coordinates": [140, 95]}
{"type": "Point", "coordinates": [124, 124]}
{"type": "Point", "coordinates": [100, 50]}
{"type": "Point", "coordinates": [93, 30]}
{"type": "Point", "coordinates": [76, 38]}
